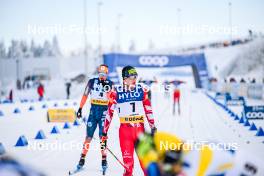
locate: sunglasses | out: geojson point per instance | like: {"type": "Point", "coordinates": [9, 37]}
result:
{"type": "Point", "coordinates": [102, 74]}
{"type": "Point", "coordinates": [132, 77]}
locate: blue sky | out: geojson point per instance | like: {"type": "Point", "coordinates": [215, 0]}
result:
{"type": "Point", "coordinates": [141, 21]}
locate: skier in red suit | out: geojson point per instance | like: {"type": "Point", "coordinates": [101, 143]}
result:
{"type": "Point", "coordinates": [133, 107]}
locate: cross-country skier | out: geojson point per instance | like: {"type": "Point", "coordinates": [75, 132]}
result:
{"type": "Point", "coordinates": [133, 108]}
{"type": "Point", "coordinates": [10, 166]}
{"type": "Point", "coordinates": [148, 83]}
{"type": "Point", "coordinates": [41, 91]}
{"type": "Point", "coordinates": [164, 154]}
{"type": "Point", "coordinates": [166, 85]}
{"type": "Point", "coordinates": [176, 95]}
{"type": "Point", "coordinates": [98, 89]}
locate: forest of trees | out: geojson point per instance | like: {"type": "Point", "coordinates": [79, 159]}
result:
{"type": "Point", "coordinates": [22, 49]}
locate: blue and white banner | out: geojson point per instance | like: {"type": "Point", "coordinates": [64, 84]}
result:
{"type": "Point", "coordinates": [234, 100]}
{"type": "Point", "coordinates": [196, 61]}
{"type": "Point", "coordinates": [254, 112]}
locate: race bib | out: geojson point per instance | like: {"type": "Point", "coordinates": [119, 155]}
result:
{"type": "Point", "coordinates": [132, 119]}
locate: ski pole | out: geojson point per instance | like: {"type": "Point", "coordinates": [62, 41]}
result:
{"type": "Point", "coordinates": [117, 158]}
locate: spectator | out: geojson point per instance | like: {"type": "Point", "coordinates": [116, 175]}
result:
{"type": "Point", "coordinates": [40, 91]}
{"type": "Point", "coordinates": [18, 83]}
{"type": "Point", "coordinates": [10, 97]}
{"type": "Point", "coordinates": [25, 82]}
{"type": "Point", "coordinates": [68, 89]}
{"type": "Point", "coordinates": [250, 33]}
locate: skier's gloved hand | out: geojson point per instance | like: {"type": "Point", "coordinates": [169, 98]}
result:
{"type": "Point", "coordinates": [153, 131]}
{"type": "Point", "coordinates": [103, 141]}
{"type": "Point", "coordinates": [103, 144]}
{"type": "Point", "coordinates": [79, 113]}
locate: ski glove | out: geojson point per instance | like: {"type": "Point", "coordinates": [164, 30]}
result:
{"type": "Point", "coordinates": [79, 113]}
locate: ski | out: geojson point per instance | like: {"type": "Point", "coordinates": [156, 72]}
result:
{"type": "Point", "coordinates": [76, 170]}
{"type": "Point", "coordinates": [104, 169]}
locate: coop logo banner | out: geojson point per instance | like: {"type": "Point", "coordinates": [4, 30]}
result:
{"type": "Point", "coordinates": [254, 112]}
{"type": "Point", "coordinates": [154, 60]}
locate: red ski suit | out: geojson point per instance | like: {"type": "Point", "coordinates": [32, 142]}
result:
{"type": "Point", "coordinates": [176, 95]}
{"type": "Point", "coordinates": [176, 92]}
{"type": "Point", "coordinates": [133, 107]}
{"type": "Point", "coordinates": [41, 90]}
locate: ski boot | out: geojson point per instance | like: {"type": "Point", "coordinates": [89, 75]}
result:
{"type": "Point", "coordinates": [81, 162]}
{"type": "Point", "coordinates": [104, 166]}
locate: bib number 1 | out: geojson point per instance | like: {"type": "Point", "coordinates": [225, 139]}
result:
{"type": "Point", "coordinates": [133, 106]}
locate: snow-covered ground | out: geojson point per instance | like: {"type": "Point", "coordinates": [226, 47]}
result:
{"type": "Point", "coordinates": [244, 60]}
{"type": "Point", "coordinates": [200, 120]}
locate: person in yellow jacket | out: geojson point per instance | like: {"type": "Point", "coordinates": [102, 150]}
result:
{"type": "Point", "coordinates": [165, 154]}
